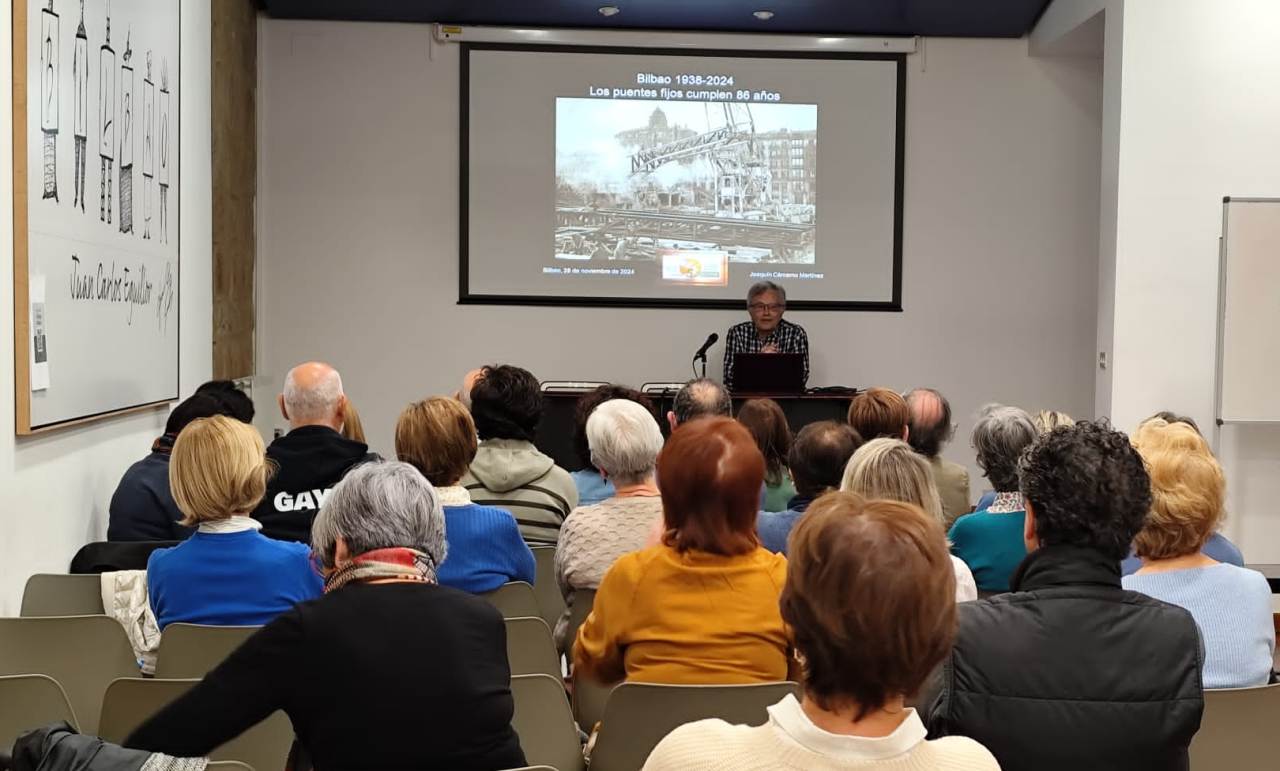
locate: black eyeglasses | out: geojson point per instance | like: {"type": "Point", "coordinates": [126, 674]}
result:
{"type": "Point", "coordinates": [761, 307]}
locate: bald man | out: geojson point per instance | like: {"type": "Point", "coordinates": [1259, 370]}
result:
{"type": "Point", "coordinates": [930, 428]}
{"type": "Point", "coordinates": [312, 457]}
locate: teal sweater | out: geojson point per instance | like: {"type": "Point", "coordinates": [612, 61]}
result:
{"type": "Point", "coordinates": [991, 545]}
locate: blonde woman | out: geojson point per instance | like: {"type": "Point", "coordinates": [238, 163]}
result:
{"type": "Point", "coordinates": [888, 469]}
{"type": "Point", "coordinates": [227, 573]}
{"type": "Point", "coordinates": [1231, 605]}
{"type": "Point", "coordinates": [1047, 420]}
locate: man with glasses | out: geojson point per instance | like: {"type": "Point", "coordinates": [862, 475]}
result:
{"type": "Point", "coordinates": [766, 332]}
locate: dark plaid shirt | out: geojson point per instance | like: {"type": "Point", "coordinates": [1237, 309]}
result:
{"type": "Point", "coordinates": [742, 338]}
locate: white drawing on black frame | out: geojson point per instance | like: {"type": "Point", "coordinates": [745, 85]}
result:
{"type": "Point", "coordinates": [80, 111]}
{"type": "Point", "coordinates": [106, 120]}
{"type": "Point", "coordinates": [49, 97]}
{"type": "Point", "coordinates": [126, 136]}
{"type": "Point", "coordinates": [163, 133]}
{"type": "Point", "coordinates": [148, 146]}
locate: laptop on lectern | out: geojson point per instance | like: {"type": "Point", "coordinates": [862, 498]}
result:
{"type": "Point", "coordinates": [768, 373]}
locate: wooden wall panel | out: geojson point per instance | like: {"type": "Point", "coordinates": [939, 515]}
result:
{"type": "Point", "coordinates": [235, 170]}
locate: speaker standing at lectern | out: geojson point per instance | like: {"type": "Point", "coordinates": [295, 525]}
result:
{"type": "Point", "coordinates": [766, 332]}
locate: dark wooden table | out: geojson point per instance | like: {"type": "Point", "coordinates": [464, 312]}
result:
{"type": "Point", "coordinates": [555, 434]}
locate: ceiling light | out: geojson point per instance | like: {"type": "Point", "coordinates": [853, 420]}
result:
{"type": "Point", "coordinates": [763, 15]}
{"type": "Point", "coordinates": [609, 10]}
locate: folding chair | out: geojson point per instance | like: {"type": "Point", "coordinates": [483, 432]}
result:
{"type": "Point", "coordinates": [545, 587]}
{"type": "Point", "coordinates": [530, 649]}
{"type": "Point", "coordinates": [30, 701]}
{"type": "Point", "coordinates": [191, 650]}
{"type": "Point", "coordinates": [544, 722]}
{"type": "Point", "coordinates": [1236, 730]}
{"type": "Point", "coordinates": [55, 594]}
{"type": "Point", "coordinates": [639, 715]}
{"type": "Point", "coordinates": [514, 600]}
{"type": "Point", "coordinates": [83, 653]}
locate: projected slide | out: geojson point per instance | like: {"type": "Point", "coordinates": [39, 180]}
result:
{"type": "Point", "coordinates": [628, 177]}
{"type": "Point", "coordinates": [652, 180]}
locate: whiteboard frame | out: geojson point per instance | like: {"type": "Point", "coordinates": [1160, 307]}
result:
{"type": "Point", "coordinates": [1218, 420]}
{"type": "Point", "coordinates": [21, 264]}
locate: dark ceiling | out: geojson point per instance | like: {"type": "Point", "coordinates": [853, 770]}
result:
{"type": "Point", "coordinates": [951, 18]}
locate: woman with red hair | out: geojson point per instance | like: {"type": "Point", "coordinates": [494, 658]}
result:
{"type": "Point", "coordinates": [702, 605]}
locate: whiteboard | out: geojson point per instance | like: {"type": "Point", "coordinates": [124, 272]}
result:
{"type": "Point", "coordinates": [96, 255]}
{"type": "Point", "coordinates": [1249, 311]}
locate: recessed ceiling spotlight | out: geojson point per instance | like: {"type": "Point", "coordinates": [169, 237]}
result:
{"type": "Point", "coordinates": [609, 10]}
{"type": "Point", "coordinates": [763, 15]}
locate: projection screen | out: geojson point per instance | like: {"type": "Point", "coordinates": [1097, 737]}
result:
{"type": "Point", "coordinates": [675, 178]}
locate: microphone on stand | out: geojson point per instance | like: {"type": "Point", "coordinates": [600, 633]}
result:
{"type": "Point", "coordinates": [711, 340]}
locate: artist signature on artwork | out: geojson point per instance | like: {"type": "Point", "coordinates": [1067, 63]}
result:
{"type": "Point", "coordinates": [120, 284]}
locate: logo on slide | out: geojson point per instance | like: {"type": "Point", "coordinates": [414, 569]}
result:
{"type": "Point", "coordinates": [710, 268]}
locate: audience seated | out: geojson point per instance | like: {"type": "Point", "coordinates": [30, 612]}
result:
{"type": "Point", "coordinates": [235, 403]}
{"type": "Point", "coordinates": [1231, 605]}
{"type": "Point", "coordinates": [768, 426]}
{"type": "Point", "coordinates": [699, 398]}
{"type": "Point", "coordinates": [1218, 547]}
{"type": "Point", "coordinates": [702, 605]}
{"type": "Point", "coordinates": [387, 670]}
{"type": "Point", "coordinates": [592, 486]}
{"type": "Point", "coordinates": [880, 412]}
{"type": "Point", "coordinates": [509, 471]}
{"type": "Point", "coordinates": [142, 507]}
{"type": "Point", "coordinates": [990, 540]}
{"type": "Point", "coordinates": [817, 460]}
{"type": "Point", "coordinates": [625, 440]}
{"type": "Point", "coordinates": [226, 573]}
{"type": "Point", "coordinates": [1071, 670]}
{"type": "Point", "coordinates": [890, 469]}
{"type": "Point", "coordinates": [438, 438]}
{"type": "Point", "coordinates": [312, 457]}
{"type": "Point", "coordinates": [869, 600]}
{"type": "Point", "coordinates": [352, 426]}
{"type": "Point", "coordinates": [929, 429]}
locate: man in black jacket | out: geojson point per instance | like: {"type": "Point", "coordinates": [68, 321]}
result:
{"type": "Point", "coordinates": [1070, 671]}
{"type": "Point", "coordinates": [312, 457]}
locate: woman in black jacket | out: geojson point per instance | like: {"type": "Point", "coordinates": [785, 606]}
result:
{"type": "Point", "coordinates": [1070, 671]}
{"type": "Point", "coordinates": [386, 671]}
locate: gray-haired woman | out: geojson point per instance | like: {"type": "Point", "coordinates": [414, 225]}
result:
{"type": "Point", "coordinates": [625, 440]}
{"type": "Point", "coordinates": [990, 540]}
{"type": "Point", "coordinates": [386, 670]}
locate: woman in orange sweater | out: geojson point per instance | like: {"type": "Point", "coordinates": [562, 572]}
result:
{"type": "Point", "coordinates": [701, 606]}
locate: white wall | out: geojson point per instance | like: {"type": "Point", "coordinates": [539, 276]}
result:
{"type": "Point", "coordinates": [358, 222]}
{"type": "Point", "coordinates": [1198, 120]}
{"type": "Point", "coordinates": [54, 489]}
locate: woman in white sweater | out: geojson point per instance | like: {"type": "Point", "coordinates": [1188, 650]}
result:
{"type": "Point", "coordinates": [870, 602]}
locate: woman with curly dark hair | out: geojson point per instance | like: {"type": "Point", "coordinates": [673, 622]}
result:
{"type": "Point", "coordinates": [1101, 676]}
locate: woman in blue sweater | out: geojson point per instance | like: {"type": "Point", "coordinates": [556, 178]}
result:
{"type": "Point", "coordinates": [485, 549]}
{"type": "Point", "coordinates": [226, 573]}
{"type": "Point", "coordinates": [1231, 605]}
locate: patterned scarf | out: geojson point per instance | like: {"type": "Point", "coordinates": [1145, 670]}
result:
{"type": "Point", "coordinates": [396, 563]}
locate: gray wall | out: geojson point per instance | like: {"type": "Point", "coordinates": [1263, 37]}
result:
{"type": "Point", "coordinates": [358, 214]}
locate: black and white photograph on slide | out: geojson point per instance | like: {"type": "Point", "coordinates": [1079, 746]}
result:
{"type": "Point", "coordinates": [637, 179]}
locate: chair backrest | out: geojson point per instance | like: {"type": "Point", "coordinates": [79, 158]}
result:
{"type": "Point", "coordinates": [530, 649]}
{"type": "Point", "coordinates": [30, 701]}
{"type": "Point", "coordinates": [228, 765]}
{"type": "Point", "coordinates": [83, 653]}
{"type": "Point", "coordinates": [583, 600]}
{"type": "Point", "coordinates": [1237, 728]}
{"type": "Point", "coordinates": [639, 715]}
{"type": "Point", "coordinates": [545, 586]}
{"type": "Point", "coordinates": [131, 701]}
{"type": "Point", "coordinates": [54, 594]}
{"type": "Point", "coordinates": [544, 722]}
{"type": "Point", "coordinates": [514, 600]}
{"type": "Point", "coordinates": [589, 697]}
{"type": "Point", "coordinates": [191, 650]}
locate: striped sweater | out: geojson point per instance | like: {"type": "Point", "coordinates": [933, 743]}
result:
{"type": "Point", "coordinates": [512, 474]}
